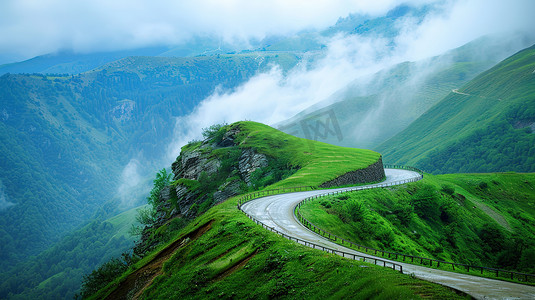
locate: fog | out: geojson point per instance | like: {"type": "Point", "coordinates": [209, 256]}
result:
{"type": "Point", "coordinates": [29, 28]}
{"type": "Point", "coordinates": [4, 200]}
{"type": "Point", "coordinates": [272, 97]}
{"type": "Point", "coordinates": [134, 184]}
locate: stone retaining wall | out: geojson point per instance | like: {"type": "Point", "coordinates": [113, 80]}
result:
{"type": "Point", "coordinates": [374, 172]}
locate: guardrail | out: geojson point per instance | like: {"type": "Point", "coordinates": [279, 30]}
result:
{"type": "Point", "coordinates": [353, 256]}
{"type": "Point", "coordinates": [394, 255]}
{"type": "Point", "coordinates": [262, 193]}
{"type": "Point", "coordinates": [258, 194]}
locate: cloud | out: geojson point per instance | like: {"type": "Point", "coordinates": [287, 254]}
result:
{"type": "Point", "coordinates": [37, 27]}
{"type": "Point", "coordinates": [4, 200]}
{"type": "Point", "coordinates": [463, 21]}
{"type": "Point", "coordinates": [272, 96]}
{"type": "Point", "coordinates": [134, 184]}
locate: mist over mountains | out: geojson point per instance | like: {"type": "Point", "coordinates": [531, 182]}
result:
{"type": "Point", "coordinates": [85, 124]}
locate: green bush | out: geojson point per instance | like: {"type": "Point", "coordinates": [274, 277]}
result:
{"type": "Point", "coordinates": [215, 132]}
{"type": "Point", "coordinates": [100, 277]}
{"type": "Point", "coordinates": [448, 189]}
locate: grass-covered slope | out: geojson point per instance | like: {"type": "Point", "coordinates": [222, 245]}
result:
{"type": "Point", "coordinates": [317, 162]}
{"type": "Point", "coordinates": [223, 254]}
{"type": "Point", "coordinates": [57, 272]}
{"type": "Point", "coordinates": [65, 139]}
{"type": "Point", "coordinates": [487, 125]}
{"type": "Point", "coordinates": [477, 219]}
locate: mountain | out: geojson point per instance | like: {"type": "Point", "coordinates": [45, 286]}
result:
{"type": "Point", "coordinates": [57, 272]}
{"type": "Point", "coordinates": [487, 125]}
{"type": "Point", "coordinates": [69, 62]}
{"type": "Point", "coordinates": [367, 111]}
{"type": "Point", "coordinates": [65, 140]}
{"type": "Point", "coordinates": [222, 253]}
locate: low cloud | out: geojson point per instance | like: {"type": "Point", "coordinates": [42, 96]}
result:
{"type": "Point", "coordinates": [4, 200]}
{"type": "Point", "coordinates": [134, 184]}
{"type": "Point", "coordinates": [37, 27]}
{"type": "Point", "coordinates": [273, 96]}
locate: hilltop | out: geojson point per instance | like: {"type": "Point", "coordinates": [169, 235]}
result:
{"type": "Point", "coordinates": [222, 253]}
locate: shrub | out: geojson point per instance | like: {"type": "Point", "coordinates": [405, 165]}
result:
{"type": "Point", "coordinates": [448, 189]}
{"type": "Point", "coordinates": [425, 202]}
{"type": "Point", "coordinates": [326, 204]}
{"type": "Point", "coordinates": [482, 185]}
{"type": "Point", "coordinates": [100, 277]}
{"type": "Point", "coordinates": [404, 212]}
{"type": "Point", "coordinates": [214, 132]}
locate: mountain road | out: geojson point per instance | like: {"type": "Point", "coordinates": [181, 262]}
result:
{"type": "Point", "coordinates": [277, 211]}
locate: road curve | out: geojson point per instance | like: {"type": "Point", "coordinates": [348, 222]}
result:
{"type": "Point", "coordinates": [277, 211]}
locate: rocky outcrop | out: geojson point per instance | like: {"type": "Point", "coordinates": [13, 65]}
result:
{"type": "Point", "coordinates": [227, 190]}
{"type": "Point", "coordinates": [190, 164]}
{"type": "Point", "coordinates": [200, 158]}
{"type": "Point", "coordinates": [374, 172]}
{"type": "Point", "coordinates": [249, 162]}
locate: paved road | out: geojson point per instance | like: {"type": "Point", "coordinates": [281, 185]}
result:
{"type": "Point", "coordinates": [277, 211]}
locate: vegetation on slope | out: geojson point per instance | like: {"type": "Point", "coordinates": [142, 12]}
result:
{"type": "Point", "coordinates": [229, 243]}
{"type": "Point", "coordinates": [477, 219]}
{"type": "Point", "coordinates": [65, 139]}
{"type": "Point", "coordinates": [289, 162]}
{"type": "Point", "coordinates": [225, 254]}
{"type": "Point", "coordinates": [56, 273]}
{"type": "Point", "coordinates": [486, 126]}
{"type": "Point", "coordinates": [317, 162]}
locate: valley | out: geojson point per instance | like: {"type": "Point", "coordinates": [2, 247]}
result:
{"type": "Point", "coordinates": [132, 138]}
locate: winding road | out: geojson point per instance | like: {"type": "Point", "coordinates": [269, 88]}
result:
{"type": "Point", "coordinates": [277, 211]}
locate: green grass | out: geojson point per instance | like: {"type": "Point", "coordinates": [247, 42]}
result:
{"type": "Point", "coordinates": [452, 227]}
{"type": "Point", "coordinates": [277, 267]}
{"type": "Point", "coordinates": [318, 162]}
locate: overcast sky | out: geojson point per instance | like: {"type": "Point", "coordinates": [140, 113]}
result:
{"type": "Point", "coordinates": [33, 27]}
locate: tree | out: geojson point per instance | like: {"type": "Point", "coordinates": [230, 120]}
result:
{"type": "Point", "coordinates": [162, 180]}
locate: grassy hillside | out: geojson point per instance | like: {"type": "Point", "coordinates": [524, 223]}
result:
{"type": "Point", "coordinates": [478, 219]}
{"type": "Point", "coordinates": [222, 249]}
{"type": "Point", "coordinates": [64, 140]}
{"type": "Point", "coordinates": [369, 114]}
{"type": "Point", "coordinates": [487, 125]}
{"type": "Point", "coordinates": [317, 162]}
{"type": "Point", "coordinates": [225, 254]}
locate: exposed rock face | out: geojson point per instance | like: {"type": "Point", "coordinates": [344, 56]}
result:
{"type": "Point", "coordinates": [185, 199]}
{"type": "Point", "coordinates": [227, 190]}
{"type": "Point", "coordinates": [192, 163]}
{"type": "Point", "coordinates": [374, 172]}
{"type": "Point", "coordinates": [249, 162]}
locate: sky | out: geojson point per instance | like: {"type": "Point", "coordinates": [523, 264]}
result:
{"type": "Point", "coordinates": [29, 27]}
